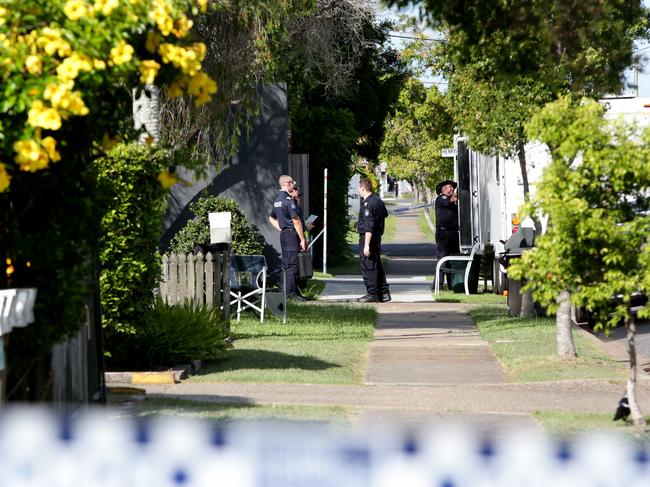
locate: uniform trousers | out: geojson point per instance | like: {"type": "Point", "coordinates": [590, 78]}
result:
{"type": "Point", "coordinates": [290, 243]}
{"type": "Point", "coordinates": [372, 271]}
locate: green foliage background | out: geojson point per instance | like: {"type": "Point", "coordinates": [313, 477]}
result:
{"type": "Point", "coordinates": [595, 194]}
{"type": "Point", "coordinates": [246, 238]}
{"type": "Point", "coordinates": [337, 131]}
{"type": "Point", "coordinates": [133, 202]}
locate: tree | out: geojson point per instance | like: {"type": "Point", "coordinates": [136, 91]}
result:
{"type": "Point", "coordinates": [67, 68]}
{"type": "Point", "coordinates": [415, 135]}
{"type": "Point", "coordinates": [596, 195]}
{"type": "Point", "coordinates": [581, 45]}
{"type": "Point", "coordinates": [335, 127]}
{"type": "Point", "coordinates": [241, 39]}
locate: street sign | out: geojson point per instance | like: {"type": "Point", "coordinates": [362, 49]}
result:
{"type": "Point", "coordinates": [449, 152]}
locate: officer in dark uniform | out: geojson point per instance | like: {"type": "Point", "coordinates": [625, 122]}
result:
{"type": "Point", "coordinates": [372, 213]}
{"type": "Point", "coordinates": [447, 242]}
{"type": "Point", "coordinates": [286, 218]}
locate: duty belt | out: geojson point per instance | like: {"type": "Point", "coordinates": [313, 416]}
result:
{"type": "Point", "coordinates": [447, 229]}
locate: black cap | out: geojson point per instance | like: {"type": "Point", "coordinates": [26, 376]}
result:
{"type": "Point", "coordinates": [443, 183]}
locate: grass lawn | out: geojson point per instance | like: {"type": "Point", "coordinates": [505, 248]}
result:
{"type": "Point", "coordinates": [424, 226]}
{"type": "Point", "coordinates": [480, 298]}
{"type": "Point", "coordinates": [568, 425]}
{"type": "Point", "coordinates": [390, 229]}
{"type": "Point", "coordinates": [147, 406]}
{"type": "Point", "coordinates": [319, 344]}
{"type": "Point", "coordinates": [526, 349]}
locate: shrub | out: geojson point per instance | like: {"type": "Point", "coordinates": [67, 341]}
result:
{"type": "Point", "coordinates": [130, 232]}
{"type": "Point", "coordinates": [172, 335]}
{"type": "Point", "coordinates": [246, 238]}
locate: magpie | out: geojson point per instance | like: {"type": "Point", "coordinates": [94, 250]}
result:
{"type": "Point", "coordinates": [623, 410]}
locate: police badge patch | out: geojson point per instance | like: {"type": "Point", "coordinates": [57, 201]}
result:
{"type": "Point", "coordinates": [367, 212]}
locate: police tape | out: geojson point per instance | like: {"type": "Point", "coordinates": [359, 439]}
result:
{"type": "Point", "coordinates": [406, 209]}
{"type": "Point", "coordinates": [104, 448]}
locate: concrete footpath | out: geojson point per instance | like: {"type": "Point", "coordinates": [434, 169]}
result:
{"type": "Point", "coordinates": [426, 362]}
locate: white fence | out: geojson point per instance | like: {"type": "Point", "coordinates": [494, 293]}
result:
{"type": "Point", "coordinates": [201, 278]}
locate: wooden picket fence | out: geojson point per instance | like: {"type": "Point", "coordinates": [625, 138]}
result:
{"type": "Point", "coordinates": [201, 278]}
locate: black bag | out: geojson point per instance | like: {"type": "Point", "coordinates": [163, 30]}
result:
{"type": "Point", "coordinates": [305, 267]}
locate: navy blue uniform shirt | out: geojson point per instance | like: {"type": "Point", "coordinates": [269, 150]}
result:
{"type": "Point", "coordinates": [372, 214]}
{"type": "Point", "coordinates": [284, 210]}
{"type": "Point", "coordinates": [446, 213]}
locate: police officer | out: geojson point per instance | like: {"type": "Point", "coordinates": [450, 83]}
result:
{"type": "Point", "coordinates": [447, 222]}
{"type": "Point", "coordinates": [286, 218]}
{"type": "Point", "coordinates": [372, 214]}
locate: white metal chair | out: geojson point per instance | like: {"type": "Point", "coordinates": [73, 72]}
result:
{"type": "Point", "coordinates": [458, 258]}
{"type": "Point", "coordinates": [248, 283]}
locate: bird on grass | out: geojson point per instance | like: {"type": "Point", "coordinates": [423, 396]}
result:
{"type": "Point", "coordinates": [623, 410]}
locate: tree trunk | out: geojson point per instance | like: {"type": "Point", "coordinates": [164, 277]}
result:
{"type": "Point", "coordinates": [564, 333]}
{"type": "Point", "coordinates": [527, 305]}
{"type": "Point", "coordinates": [146, 114]}
{"type": "Point", "coordinates": [521, 153]}
{"type": "Point", "coordinates": [635, 410]}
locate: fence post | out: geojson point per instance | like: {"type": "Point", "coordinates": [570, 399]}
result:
{"type": "Point", "coordinates": [209, 279]}
{"type": "Point", "coordinates": [191, 279]}
{"type": "Point", "coordinates": [225, 287]}
{"type": "Point", "coordinates": [164, 277]}
{"type": "Point", "coordinates": [182, 278]}
{"type": "Point", "coordinates": [200, 278]}
{"type": "Point", "coordinates": [172, 295]}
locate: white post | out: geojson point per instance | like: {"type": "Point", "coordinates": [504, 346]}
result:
{"type": "Point", "coordinates": [325, 222]}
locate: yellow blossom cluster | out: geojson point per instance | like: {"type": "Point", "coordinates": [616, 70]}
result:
{"type": "Point", "coordinates": [5, 178]}
{"type": "Point", "coordinates": [65, 43]}
{"type": "Point", "coordinates": [35, 154]}
{"type": "Point", "coordinates": [187, 59]}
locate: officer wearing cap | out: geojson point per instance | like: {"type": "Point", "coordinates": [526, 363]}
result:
{"type": "Point", "coordinates": [447, 242]}
{"type": "Point", "coordinates": [370, 227]}
{"type": "Point", "coordinates": [286, 218]}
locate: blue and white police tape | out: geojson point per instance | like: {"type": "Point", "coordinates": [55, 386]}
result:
{"type": "Point", "coordinates": [97, 449]}
{"type": "Point", "coordinates": [406, 209]}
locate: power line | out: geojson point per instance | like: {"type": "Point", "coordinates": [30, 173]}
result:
{"type": "Point", "coordinates": [415, 38]}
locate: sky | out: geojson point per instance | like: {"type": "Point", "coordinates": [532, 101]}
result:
{"type": "Point", "coordinates": [643, 49]}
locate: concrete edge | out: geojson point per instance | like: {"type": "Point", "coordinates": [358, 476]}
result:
{"type": "Point", "coordinates": [172, 376]}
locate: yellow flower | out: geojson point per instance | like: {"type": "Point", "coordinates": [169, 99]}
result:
{"type": "Point", "coordinates": [50, 146]}
{"type": "Point", "coordinates": [182, 26]}
{"type": "Point", "coordinates": [71, 66]}
{"type": "Point", "coordinates": [4, 13]}
{"type": "Point", "coordinates": [106, 6]}
{"type": "Point", "coordinates": [148, 71]}
{"type": "Point", "coordinates": [175, 89]}
{"type": "Point", "coordinates": [203, 4]}
{"type": "Point", "coordinates": [5, 178]}
{"type": "Point", "coordinates": [41, 116]}
{"type": "Point", "coordinates": [121, 54]}
{"type": "Point", "coordinates": [167, 179]}
{"type": "Point", "coordinates": [76, 9]}
{"type": "Point", "coordinates": [30, 156]}
{"type": "Point", "coordinates": [161, 15]}
{"type": "Point", "coordinates": [99, 64]}
{"type": "Point", "coordinates": [34, 65]}
{"type": "Point", "coordinates": [202, 86]}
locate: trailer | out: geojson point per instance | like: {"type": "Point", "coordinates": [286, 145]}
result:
{"type": "Point", "coordinates": [490, 188]}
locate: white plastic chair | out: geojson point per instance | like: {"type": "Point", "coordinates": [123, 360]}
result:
{"type": "Point", "coordinates": [248, 283]}
{"type": "Point", "coordinates": [458, 258]}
